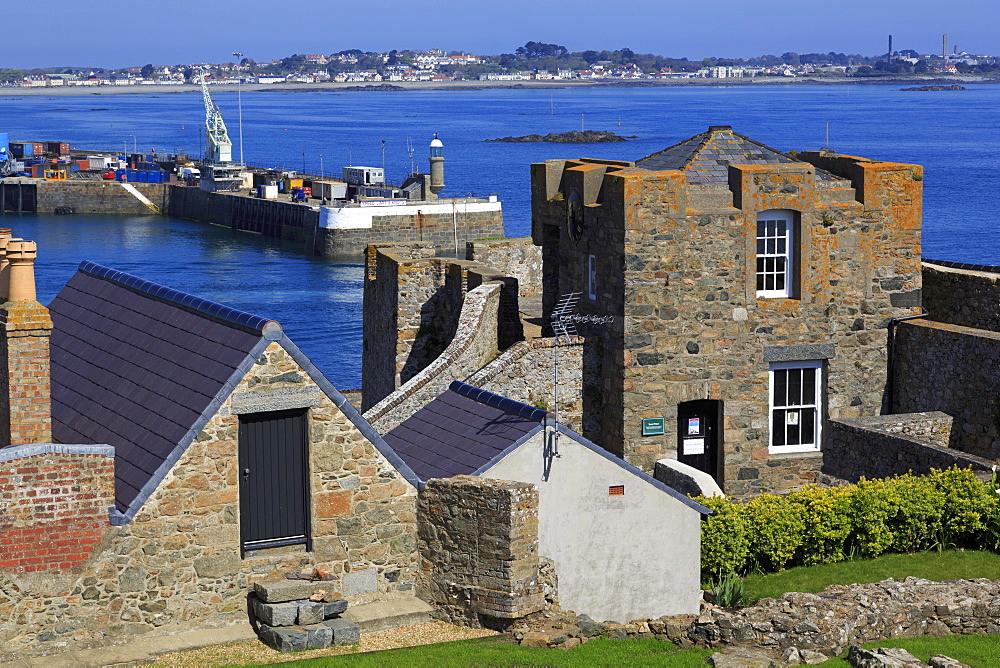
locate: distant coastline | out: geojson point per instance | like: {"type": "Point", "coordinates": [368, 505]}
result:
{"type": "Point", "coordinates": [346, 87]}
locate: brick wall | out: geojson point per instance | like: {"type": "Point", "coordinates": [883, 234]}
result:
{"type": "Point", "coordinates": [53, 505]}
{"type": "Point", "coordinates": [25, 411]}
{"type": "Point", "coordinates": [478, 542]}
{"type": "Point", "coordinates": [954, 369]}
{"type": "Point", "coordinates": [966, 296]}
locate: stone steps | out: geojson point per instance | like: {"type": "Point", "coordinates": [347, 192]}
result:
{"type": "Point", "coordinates": [384, 615]}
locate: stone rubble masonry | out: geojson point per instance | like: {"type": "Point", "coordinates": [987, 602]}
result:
{"type": "Point", "coordinates": [53, 505]}
{"type": "Point", "coordinates": [889, 445]}
{"type": "Point", "coordinates": [839, 617]}
{"type": "Point", "coordinates": [474, 344]}
{"type": "Point", "coordinates": [524, 372]}
{"type": "Point", "coordinates": [954, 369]}
{"type": "Point", "coordinates": [437, 230]}
{"type": "Point", "coordinates": [287, 619]}
{"type": "Point", "coordinates": [177, 564]}
{"type": "Point", "coordinates": [26, 408]}
{"type": "Point", "coordinates": [519, 258]}
{"type": "Point", "coordinates": [676, 267]}
{"type": "Point", "coordinates": [966, 297]}
{"type": "Point", "coordinates": [478, 541]}
{"type": "Point", "coordinates": [420, 298]}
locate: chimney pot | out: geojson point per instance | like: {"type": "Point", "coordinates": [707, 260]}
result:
{"type": "Point", "coordinates": [21, 270]}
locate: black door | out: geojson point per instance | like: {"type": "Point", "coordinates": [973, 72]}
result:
{"type": "Point", "coordinates": [274, 480]}
{"type": "Point", "coordinates": [698, 436]}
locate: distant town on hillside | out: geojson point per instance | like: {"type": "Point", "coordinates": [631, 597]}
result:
{"type": "Point", "coordinates": [533, 61]}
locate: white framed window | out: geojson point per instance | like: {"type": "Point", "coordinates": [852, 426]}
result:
{"type": "Point", "coordinates": [775, 253]}
{"type": "Point", "coordinates": [591, 277]}
{"type": "Point", "coordinates": [796, 406]}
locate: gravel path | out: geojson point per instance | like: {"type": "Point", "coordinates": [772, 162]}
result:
{"type": "Point", "coordinates": [253, 651]}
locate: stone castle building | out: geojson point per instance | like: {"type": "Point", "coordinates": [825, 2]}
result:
{"type": "Point", "coordinates": [751, 292]}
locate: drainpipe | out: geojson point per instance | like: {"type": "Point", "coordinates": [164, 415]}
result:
{"type": "Point", "coordinates": [890, 384]}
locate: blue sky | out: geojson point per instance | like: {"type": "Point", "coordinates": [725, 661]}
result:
{"type": "Point", "coordinates": [116, 33]}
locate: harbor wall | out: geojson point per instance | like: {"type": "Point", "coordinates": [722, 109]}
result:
{"type": "Point", "coordinates": [83, 197]}
{"type": "Point", "coordinates": [272, 218]}
{"type": "Point", "coordinates": [447, 230]}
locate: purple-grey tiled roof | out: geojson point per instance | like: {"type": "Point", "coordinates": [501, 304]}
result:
{"type": "Point", "coordinates": [461, 431]}
{"type": "Point", "coordinates": [135, 365]}
{"type": "Point", "coordinates": [705, 158]}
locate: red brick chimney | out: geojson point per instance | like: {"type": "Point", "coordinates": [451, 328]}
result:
{"type": "Point", "coordinates": [25, 404]}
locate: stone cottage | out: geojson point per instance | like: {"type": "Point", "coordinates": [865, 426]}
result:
{"type": "Point", "coordinates": [188, 449]}
{"type": "Point", "coordinates": [751, 293]}
{"type": "Point", "coordinates": [504, 486]}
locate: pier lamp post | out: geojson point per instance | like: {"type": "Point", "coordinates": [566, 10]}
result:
{"type": "Point", "coordinates": [322, 175]}
{"type": "Point", "coordinates": [239, 98]}
{"type": "Point", "coordinates": [134, 144]}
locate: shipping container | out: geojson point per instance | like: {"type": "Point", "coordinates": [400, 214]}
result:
{"type": "Point", "coordinates": [267, 191]}
{"type": "Point", "coordinates": [57, 148]}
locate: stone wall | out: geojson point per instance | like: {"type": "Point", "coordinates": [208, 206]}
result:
{"type": "Point", "coordinates": [524, 372]}
{"type": "Point", "coordinates": [961, 294]}
{"type": "Point", "coordinates": [474, 344]}
{"type": "Point", "coordinates": [675, 268]}
{"type": "Point", "coordinates": [890, 445]}
{"type": "Point", "coordinates": [519, 258]}
{"type": "Point", "coordinates": [420, 298]}
{"type": "Point", "coordinates": [826, 623]}
{"type": "Point", "coordinates": [954, 369]}
{"type": "Point", "coordinates": [53, 505]}
{"type": "Point", "coordinates": [436, 229]}
{"type": "Point", "coordinates": [101, 197]}
{"type": "Point", "coordinates": [478, 541]}
{"type": "Point", "coordinates": [178, 563]}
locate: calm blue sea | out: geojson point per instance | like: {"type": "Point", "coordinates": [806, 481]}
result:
{"type": "Point", "coordinates": [955, 135]}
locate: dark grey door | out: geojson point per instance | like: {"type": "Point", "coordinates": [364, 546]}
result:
{"type": "Point", "coordinates": [274, 480]}
{"type": "Point", "coordinates": [699, 436]}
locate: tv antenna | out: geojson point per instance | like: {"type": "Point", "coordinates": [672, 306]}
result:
{"type": "Point", "coordinates": [409, 149]}
{"type": "Point", "coordinates": [563, 320]}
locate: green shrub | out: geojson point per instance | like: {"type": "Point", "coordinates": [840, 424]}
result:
{"type": "Point", "coordinates": [725, 545]}
{"type": "Point", "coordinates": [826, 514]}
{"type": "Point", "coordinates": [776, 529]}
{"type": "Point", "coordinates": [950, 508]}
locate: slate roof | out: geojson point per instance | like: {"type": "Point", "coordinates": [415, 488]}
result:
{"type": "Point", "coordinates": [134, 365]}
{"type": "Point", "coordinates": [705, 158]}
{"type": "Point", "coordinates": [461, 431]}
{"type": "Point", "coordinates": [467, 430]}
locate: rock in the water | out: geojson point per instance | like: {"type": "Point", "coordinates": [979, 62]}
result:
{"type": "Point", "coordinates": [572, 137]}
{"type": "Point", "coordinates": [882, 657]}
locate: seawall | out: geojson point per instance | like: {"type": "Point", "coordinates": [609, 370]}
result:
{"type": "Point", "coordinates": [82, 197]}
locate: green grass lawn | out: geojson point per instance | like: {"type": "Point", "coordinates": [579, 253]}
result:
{"type": "Point", "coordinates": [491, 652]}
{"type": "Point", "coordinates": [948, 565]}
{"type": "Point", "coordinates": [977, 651]}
